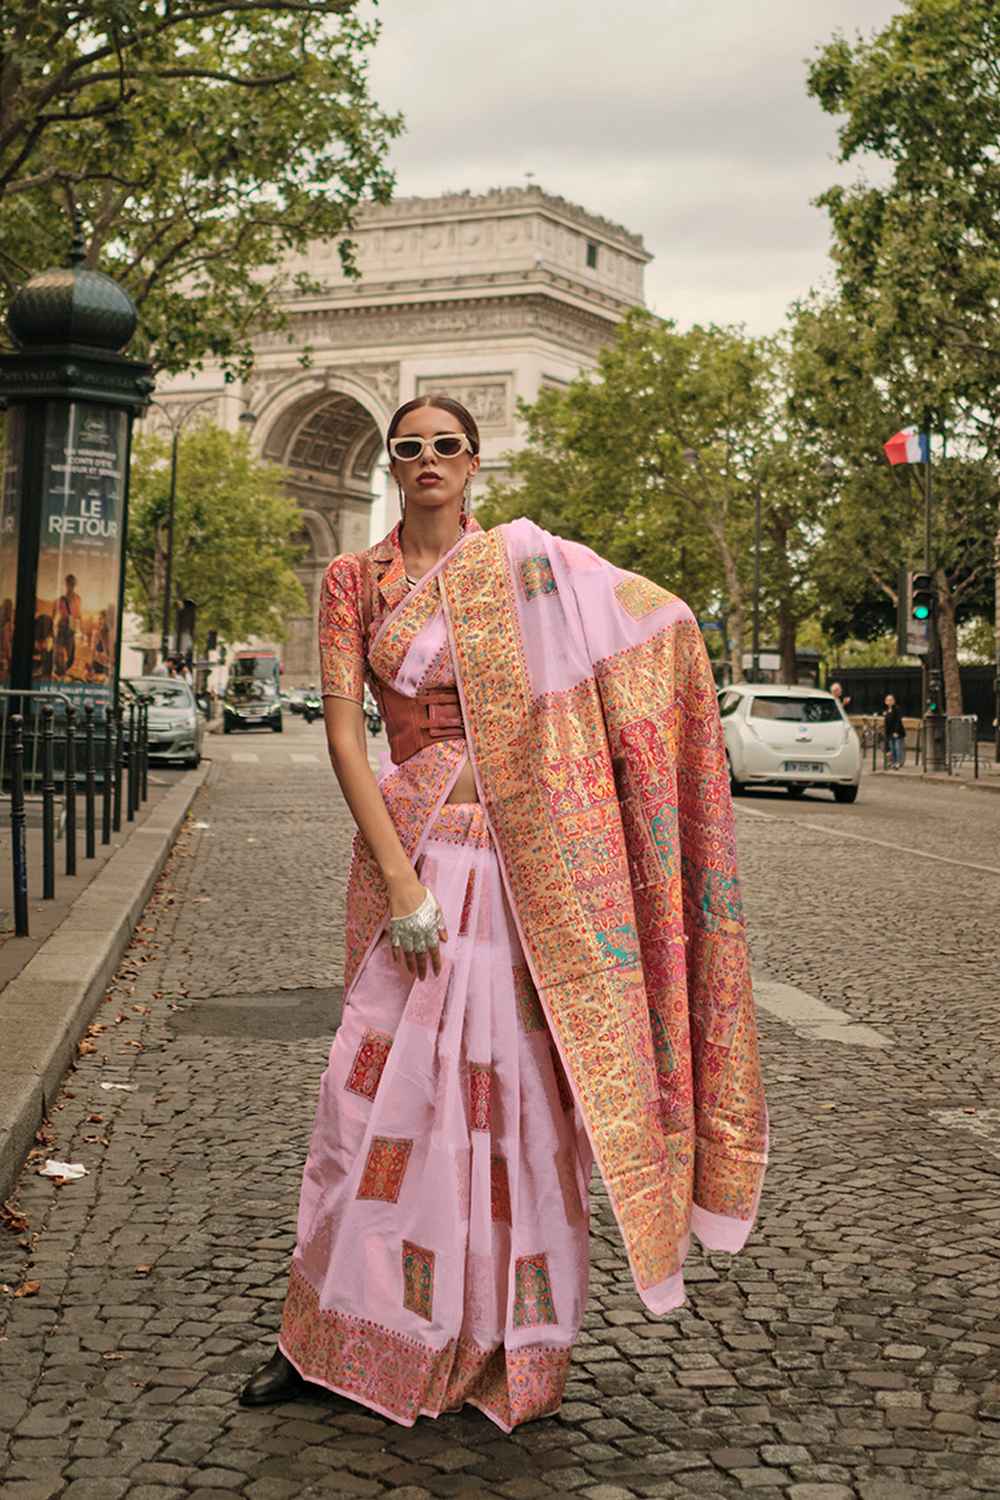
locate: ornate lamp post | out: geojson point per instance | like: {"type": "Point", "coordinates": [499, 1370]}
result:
{"type": "Point", "coordinates": [71, 397]}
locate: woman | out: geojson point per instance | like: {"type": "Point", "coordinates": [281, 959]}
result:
{"type": "Point", "coordinates": [895, 733]}
{"type": "Point", "coordinates": [545, 959]}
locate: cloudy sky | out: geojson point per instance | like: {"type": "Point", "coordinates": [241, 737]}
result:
{"type": "Point", "coordinates": [685, 120]}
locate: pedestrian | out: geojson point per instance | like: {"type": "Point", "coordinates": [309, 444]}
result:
{"type": "Point", "coordinates": [895, 733]}
{"type": "Point", "coordinates": [837, 691]}
{"type": "Point", "coordinates": [545, 956]}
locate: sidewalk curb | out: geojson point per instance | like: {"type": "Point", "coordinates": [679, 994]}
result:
{"type": "Point", "coordinates": [941, 779]}
{"type": "Point", "coordinates": [46, 1009]}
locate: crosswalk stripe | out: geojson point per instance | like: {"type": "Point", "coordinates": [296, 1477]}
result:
{"type": "Point", "coordinates": [306, 760]}
{"type": "Point", "coordinates": [245, 757]}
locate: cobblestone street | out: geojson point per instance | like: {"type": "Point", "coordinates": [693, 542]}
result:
{"type": "Point", "coordinates": [851, 1351]}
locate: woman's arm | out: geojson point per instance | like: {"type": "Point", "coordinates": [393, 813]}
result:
{"type": "Point", "coordinates": [345, 738]}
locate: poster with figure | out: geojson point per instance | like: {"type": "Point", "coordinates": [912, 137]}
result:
{"type": "Point", "coordinates": [79, 557]}
{"type": "Point", "coordinates": [9, 497]}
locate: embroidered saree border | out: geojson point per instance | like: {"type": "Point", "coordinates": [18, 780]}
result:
{"type": "Point", "coordinates": [616, 841]}
{"type": "Point", "coordinates": [403, 1377]}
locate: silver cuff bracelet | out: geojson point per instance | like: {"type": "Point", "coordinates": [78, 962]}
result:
{"type": "Point", "coordinates": [419, 931]}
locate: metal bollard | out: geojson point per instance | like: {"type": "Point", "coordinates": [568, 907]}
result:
{"type": "Point", "coordinates": [90, 783]}
{"type": "Point", "coordinates": [108, 772]}
{"type": "Point", "coordinates": [116, 817]}
{"type": "Point", "coordinates": [132, 800]}
{"type": "Point", "coordinates": [48, 806]}
{"type": "Point", "coordinates": [69, 792]}
{"type": "Point", "coordinates": [17, 823]}
{"type": "Point", "coordinates": [144, 775]}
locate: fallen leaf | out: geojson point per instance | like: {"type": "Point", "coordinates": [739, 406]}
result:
{"type": "Point", "coordinates": [84, 1047]}
{"type": "Point", "coordinates": [95, 1119]}
{"type": "Point", "coordinates": [141, 1010]}
{"type": "Point", "coordinates": [110, 1354]}
{"type": "Point", "coordinates": [96, 1028]}
{"type": "Point", "coordinates": [143, 1270]}
{"type": "Point", "coordinates": [13, 1219]}
{"type": "Point", "coordinates": [28, 1289]}
{"type": "Point", "coordinates": [139, 1046]}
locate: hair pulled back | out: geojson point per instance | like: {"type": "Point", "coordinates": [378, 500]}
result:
{"type": "Point", "coordinates": [445, 403]}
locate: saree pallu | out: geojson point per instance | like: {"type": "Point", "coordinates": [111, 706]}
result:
{"type": "Point", "coordinates": [442, 1233]}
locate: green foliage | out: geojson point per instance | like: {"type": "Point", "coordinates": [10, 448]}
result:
{"type": "Point", "coordinates": [654, 463]}
{"type": "Point", "coordinates": [234, 530]}
{"type": "Point", "coordinates": [917, 256]}
{"type": "Point", "coordinates": [201, 144]}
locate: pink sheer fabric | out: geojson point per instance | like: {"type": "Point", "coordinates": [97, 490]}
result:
{"type": "Point", "coordinates": [442, 1233]}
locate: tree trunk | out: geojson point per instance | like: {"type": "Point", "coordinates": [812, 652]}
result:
{"type": "Point", "coordinates": [786, 644]}
{"type": "Point", "coordinates": [948, 632]}
{"type": "Point", "coordinates": [737, 607]}
{"type": "Point", "coordinates": [996, 646]}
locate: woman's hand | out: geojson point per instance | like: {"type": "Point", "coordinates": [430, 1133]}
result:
{"type": "Point", "coordinates": [416, 926]}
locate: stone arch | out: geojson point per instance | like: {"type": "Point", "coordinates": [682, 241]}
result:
{"type": "Point", "coordinates": [325, 430]}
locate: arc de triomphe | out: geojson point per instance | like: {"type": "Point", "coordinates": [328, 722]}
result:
{"type": "Point", "coordinates": [488, 297]}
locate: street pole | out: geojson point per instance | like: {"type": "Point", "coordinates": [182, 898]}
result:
{"type": "Point", "coordinates": [756, 585]}
{"type": "Point", "coordinates": [935, 722]}
{"type": "Point", "coordinates": [168, 581]}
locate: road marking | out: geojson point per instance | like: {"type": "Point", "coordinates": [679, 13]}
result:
{"type": "Point", "coordinates": [813, 1018]}
{"type": "Point", "coordinates": [306, 760]}
{"type": "Point", "coordinates": [245, 757]}
{"type": "Point", "coordinates": [865, 838]}
{"type": "Point", "coordinates": [983, 1123]}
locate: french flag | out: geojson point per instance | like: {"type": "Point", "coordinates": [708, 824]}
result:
{"type": "Point", "coordinates": [909, 447]}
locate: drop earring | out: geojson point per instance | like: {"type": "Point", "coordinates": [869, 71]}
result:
{"type": "Point", "coordinates": [467, 498]}
{"type": "Point", "coordinates": [402, 502]}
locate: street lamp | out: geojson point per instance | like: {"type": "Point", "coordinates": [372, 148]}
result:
{"type": "Point", "coordinates": [247, 419]}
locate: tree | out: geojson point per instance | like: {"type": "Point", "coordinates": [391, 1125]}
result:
{"type": "Point", "coordinates": [839, 403]}
{"type": "Point", "coordinates": [234, 529]}
{"type": "Point", "coordinates": [916, 255]}
{"type": "Point", "coordinates": [654, 464]}
{"type": "Point", "coordinates": [200, 144]}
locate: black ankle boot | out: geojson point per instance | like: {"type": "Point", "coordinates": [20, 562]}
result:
{"type": "Point", "coordinates": [278, 1380]}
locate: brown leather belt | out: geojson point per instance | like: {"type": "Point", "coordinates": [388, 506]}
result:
{"type": "Point", "coordinates": [412, 723]}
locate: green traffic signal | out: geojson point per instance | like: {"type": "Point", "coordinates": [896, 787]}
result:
{"type": "Point", "coordinates": [921, 596]}
{"type": "Point", "coordinates": [921, 612]}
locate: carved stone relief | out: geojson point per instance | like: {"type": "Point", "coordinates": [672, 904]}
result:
{"type": "Point", "coordinates": [487, 397]}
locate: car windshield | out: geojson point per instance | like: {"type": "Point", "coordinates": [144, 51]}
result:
{"type": "Point", "coordinates": [164, 694]}
{"type": "Point", "coordinates": [250, 690]}
{"type": "Point", "coordinates": [795, 710]}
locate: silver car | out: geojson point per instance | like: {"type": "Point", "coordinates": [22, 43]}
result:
{"type": "Point", "coordinates": [795, 737]}
{"type": "Point", "coordinates": [176, 726]}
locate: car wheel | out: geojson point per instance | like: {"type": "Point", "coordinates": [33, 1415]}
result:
{"type": "Point", "coordinates": [735, 787]}
{"type": "Point", "coordinates": [795, 791]}
{"type": "Point", "coordinates": [227, 728]}
{"type": "Point", "coordinates": [193, 762]}
{"type": "Point", "coordinates": [278, 727]}
{"type": "Point", "coordinates": [845, 793]}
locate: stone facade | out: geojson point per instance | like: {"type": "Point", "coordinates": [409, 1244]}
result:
{"type": "Point", "coordinates": [488, 297]}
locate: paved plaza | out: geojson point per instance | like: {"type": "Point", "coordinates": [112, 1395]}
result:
{"type": "Point", "coordinates": [853, 1350]}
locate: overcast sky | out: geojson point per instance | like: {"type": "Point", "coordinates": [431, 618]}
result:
{"type": "Point", "coordinates": [685, 120]}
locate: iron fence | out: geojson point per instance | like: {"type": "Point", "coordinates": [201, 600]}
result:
{"type": "Point", "coordinates": [47, 758]}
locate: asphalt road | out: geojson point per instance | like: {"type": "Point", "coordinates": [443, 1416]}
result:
{"type": "Point", "coordinates": [852, 1350]}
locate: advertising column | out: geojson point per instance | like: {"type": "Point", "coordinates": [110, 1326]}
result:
{"type": "Point", "coordinates": [79, 557]}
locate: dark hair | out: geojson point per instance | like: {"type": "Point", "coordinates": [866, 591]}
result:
{"type": "Point", "coordinates": [446, 403]}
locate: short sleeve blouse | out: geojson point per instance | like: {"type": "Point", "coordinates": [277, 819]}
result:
{"type": "Point", "coordinates": [341, 632]}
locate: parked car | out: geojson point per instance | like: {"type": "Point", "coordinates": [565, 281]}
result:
{"type": "Point", "coordinates": [795, 737]}
{"type": "Point", "coordinates": [250, 703]}
{"type": "Point", "coordinates": [176, 725]}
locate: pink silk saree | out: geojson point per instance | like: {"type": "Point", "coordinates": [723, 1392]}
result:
{"type": "Point", "coordinates": [593, 729]}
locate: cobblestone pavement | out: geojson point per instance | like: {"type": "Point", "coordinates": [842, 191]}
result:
{"type": "Point", "coordinates": [852, 1350]}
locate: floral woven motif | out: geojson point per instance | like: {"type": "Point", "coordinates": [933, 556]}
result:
{"type": "Point", "coordinates": [639, 597]}
{"type": "Point", "coordinates": [480, 1095]}
{"type": "Point", "coordinates": [369, 1061]}
{"type": "Point", "coordinates": [499, 1190]}
{"type": "Point", "coordinates": [537, 576]}
{"type": "Point", "coordinates": [385, 1168]}
{"type": "Point", "coordinates": [562, 1083]}
{"type": "Point", "coordinates": [533, 1304]}
{"type": "Point", "coordinates": [418, 1280]}
{"type": "Point", "coordinates": [529, 1007]}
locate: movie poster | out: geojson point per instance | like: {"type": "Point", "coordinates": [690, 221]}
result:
{"type": "Point", "coordinates": [79, 558]}
{"type": "Point", "coordinates": [9, 497]}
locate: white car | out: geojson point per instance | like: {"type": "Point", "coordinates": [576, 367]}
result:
{"type": "Point", "coordinates": [793, 737]}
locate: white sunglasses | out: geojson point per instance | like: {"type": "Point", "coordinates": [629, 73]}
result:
{"type": "Point", "coordinates": [443, 445]}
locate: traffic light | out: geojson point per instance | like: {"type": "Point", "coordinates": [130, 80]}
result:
{"type": "Point", "coordinates": [921, 596]}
